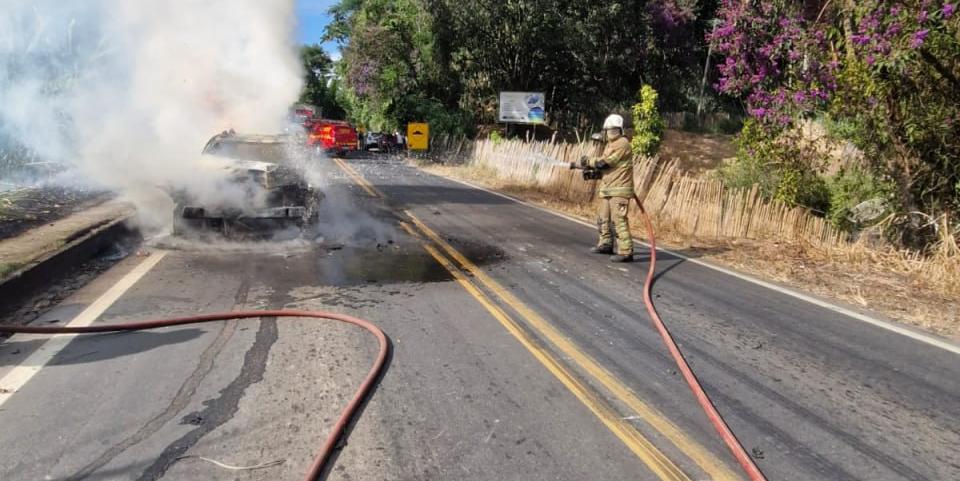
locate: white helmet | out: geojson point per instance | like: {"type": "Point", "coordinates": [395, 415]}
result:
{"type": "Point", "coordinates": [613, 122]}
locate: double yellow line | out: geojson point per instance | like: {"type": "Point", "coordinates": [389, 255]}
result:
{"type": "Point", "coordinates": [463, 270]}
{"type": "Point", "coordinates": [353, 174]}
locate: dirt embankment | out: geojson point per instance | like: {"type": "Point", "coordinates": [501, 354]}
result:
{"type": "Point", "coordinates": [697, 153]}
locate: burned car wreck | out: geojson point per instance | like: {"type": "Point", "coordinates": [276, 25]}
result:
{"type": "Point", "coordinates": [274, 195]}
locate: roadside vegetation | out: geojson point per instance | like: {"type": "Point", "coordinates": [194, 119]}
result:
{"type": "Point", "coordinates": [852, 108]}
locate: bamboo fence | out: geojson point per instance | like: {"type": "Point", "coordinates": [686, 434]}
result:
{"type": "Point", "coordinates": [698, 206]}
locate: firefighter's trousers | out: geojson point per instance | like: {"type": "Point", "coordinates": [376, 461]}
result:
{"type": "Point", "coordinates": [612, 222]}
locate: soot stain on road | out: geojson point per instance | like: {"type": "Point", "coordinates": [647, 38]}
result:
{"type": "Point", "coordinates": [386, 263]}
{"type": "Point", "coordinates": [478, 252]}
{"type": "Point", "coordinates": [344, 267]}
{"type": "Point", "coordinates": [220, 410]}
{"type": "Point", "coordinates": [184, 395]}
{"type": "Point", "coordinates": [396, 264]}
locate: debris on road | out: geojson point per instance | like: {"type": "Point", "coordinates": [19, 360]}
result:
{"type": "Point", "coordinates": [267, 464]}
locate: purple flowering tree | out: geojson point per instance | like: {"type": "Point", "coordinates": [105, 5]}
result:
{"type": "Point", "coordinates": [774, 59]}
{"type": "Point", "coordinates": [886, 72]}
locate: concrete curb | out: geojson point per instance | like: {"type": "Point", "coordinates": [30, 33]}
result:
{"type": "Point", "coordinates": [79, 248]}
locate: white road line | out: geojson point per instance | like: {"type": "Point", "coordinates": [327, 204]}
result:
{"type": "Point", "coordinates": [919, 336]}
{"type": "Point", "coordinates": [22, 373]}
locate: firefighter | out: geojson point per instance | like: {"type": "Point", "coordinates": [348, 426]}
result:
{"type": "Point", "coordinates": [615, 169]}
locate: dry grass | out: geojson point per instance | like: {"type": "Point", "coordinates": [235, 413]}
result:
{"type": "Point", "coordinates": [919, 292]}
{"type": "Point", "coordinates": [739, 230]}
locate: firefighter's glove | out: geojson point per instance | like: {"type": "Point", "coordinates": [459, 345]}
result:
{"type": "Point", "coordinates": [592, 173]}
{"type": "Point", "coordinates": [584, 162]}
{"type": "Point", "coordinates": [602, 164]}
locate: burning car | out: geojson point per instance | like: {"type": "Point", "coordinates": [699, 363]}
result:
{"type": "Point", "coordinates": [272, 190]}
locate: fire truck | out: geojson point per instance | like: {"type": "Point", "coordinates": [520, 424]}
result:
{"type": "Point", "coordinates": [332, 136]}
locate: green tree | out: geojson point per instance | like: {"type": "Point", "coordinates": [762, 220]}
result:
{"type": "Point", "coordinates": [647, 123]}
{"type": "Point", "coordinates": [390, 65]}
{"type": "Point", "coordinates": [318, 89]}
{"type": "Point", "coordinates": [883, 75]}
{"type": "Point", "coordinates": [589, 58]}
{"type": "Point", "coordinates": [902, 104]}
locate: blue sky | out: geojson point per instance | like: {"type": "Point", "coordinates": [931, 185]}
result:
{"type": "Point", "coordinates": [312, 18]}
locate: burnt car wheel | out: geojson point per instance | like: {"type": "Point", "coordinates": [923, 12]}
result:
{"type": "Point", "coordinates": [183, 226]}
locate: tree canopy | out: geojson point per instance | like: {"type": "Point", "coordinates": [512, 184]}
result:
{"type": "Point", "coordinates": [406, 59]}
{"type": "Point", "coordinates": [319, 88]}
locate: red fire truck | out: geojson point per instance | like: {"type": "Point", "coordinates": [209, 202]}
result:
{"type": "Point", "coordinates": [332, 136]}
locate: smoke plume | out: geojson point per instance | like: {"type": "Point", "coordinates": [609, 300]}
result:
{"type": "Point", "coordinates": [124, 93]}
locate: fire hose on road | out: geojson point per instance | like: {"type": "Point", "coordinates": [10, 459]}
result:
{"type": "Point", "coordinates": [726, 434]}
{"type": "Point", "coordinates": [346, 416]}
{"type": "Point", "coordinates": [736, 448]}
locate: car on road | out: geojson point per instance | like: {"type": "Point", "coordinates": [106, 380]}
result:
{"type": "Point", "coordinates": [332, 137]}
{"type": "Point", "coordinates": [372, 140]}
{"type": "Point", "coordinates": [382, 142]}
{"type": "Point", "coordinates": [269, 191]}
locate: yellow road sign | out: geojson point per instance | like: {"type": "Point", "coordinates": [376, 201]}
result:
{"type": "Point", "coordinates": [418, 136]}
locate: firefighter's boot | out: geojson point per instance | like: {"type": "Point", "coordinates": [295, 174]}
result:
{"type": "Point", "coordinates": [622, 258]}
{"type": "Point", "coordinates": [602, 249]}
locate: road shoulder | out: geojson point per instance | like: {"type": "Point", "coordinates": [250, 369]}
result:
{"type": "Point", "coordinates": [33, 246]}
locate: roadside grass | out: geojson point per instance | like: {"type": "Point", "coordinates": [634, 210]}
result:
{"type": "Point", "coordinates": [7, 268]}
{"type": "Point", "coordinates": [923, 291]}
{"type": "Point", "coordinates": [7, 200]}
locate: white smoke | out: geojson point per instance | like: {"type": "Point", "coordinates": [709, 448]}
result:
{"type": "Point", "coordinates": [126, 92]}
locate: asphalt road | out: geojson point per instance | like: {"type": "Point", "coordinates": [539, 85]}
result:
{"type": "Point", "coordinates": [532, 360]}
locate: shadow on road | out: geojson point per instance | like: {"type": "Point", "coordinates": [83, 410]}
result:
{"type": "Point", "coordinates": [99, 347]}
{"type": "Point", "coordinates": [694, 252]}
{"type": "Point", "coordinates": [672, 261]}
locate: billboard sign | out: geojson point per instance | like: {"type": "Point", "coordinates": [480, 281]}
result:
{"type": "Point", "coordinates": [522, 107]}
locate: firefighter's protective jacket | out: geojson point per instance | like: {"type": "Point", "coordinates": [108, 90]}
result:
{"type": "Point", "coordinates": [617, 180]}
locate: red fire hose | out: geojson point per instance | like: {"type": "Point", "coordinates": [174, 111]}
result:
{"type": "Point", "coordinates": [323, 456]}
{"type": "Point", "coordinates": [736, 448]}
